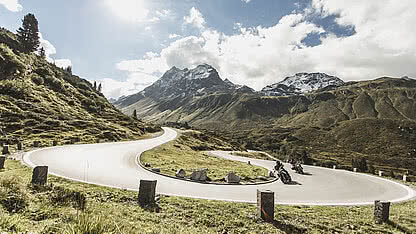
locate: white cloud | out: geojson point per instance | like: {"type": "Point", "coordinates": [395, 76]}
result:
{"type": "Point", "coordinates": [195, 18]}
{"type": "Point", "coordinates": [12, 5]}
{"type": "Point", "coordinates": [150, 64]}
{"type": "Point", "coordinates": [173, 36]}
{"type": "Point", "coordinates": [51, 50]}
{"type": "Point", "coordinates": [136, 11]}
{"type": "Point", "coordinates": [164, 13]}
{"type": "Point", "coordinates": [246, 1]}
{"type": "Point", "coordinates": [135, 82]}
{"type": "Point", "coordinates": [384, 43]}
{"type": "Point", "coordinates": [48, 47]}
{"type": "Point", "coordinates": [64, 63]}
{"type": "Point", "coordinates": [154, 19]}
{"type": "Point", "coordinates": [129, 10]}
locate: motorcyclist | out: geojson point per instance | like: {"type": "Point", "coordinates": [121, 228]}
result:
{"type": "Point", "coordinates": [280, 170]}
{"type": "Point", "coordinates": [299, 168]}
{"type": "Point", "coordinates": [278, 165]}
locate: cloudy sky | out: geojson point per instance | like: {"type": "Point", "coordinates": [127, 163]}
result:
{"type": "Point", "coordinates": [128, 44]}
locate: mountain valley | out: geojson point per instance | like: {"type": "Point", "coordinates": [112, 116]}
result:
{"type": "Point", "coordinates": [335, 121]}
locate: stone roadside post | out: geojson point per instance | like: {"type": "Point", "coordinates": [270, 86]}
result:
{"type": "Point", "coordinates": [2, 160]}
{"type": "Point", "coordinates": [381, 211]}
{"type": "Point", "coordinates": [5, 150]}
{"type": "Point", "coordinates": [147, 192]}
{"type": "Point", "coordinates": [19, 145]}
{"type": "Point", "coordinates": [40, 175]}
{"type": "Point", "coordinates": [265, 205]}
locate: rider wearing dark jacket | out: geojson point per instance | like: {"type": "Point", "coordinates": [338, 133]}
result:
{"type": "Point", "coordinates": [278, 165]}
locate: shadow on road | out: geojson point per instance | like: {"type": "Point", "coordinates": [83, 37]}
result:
{"type": "Point", "coordinates": [293, 182]}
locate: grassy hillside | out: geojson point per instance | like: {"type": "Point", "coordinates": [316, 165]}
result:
{"type": "Point", "coordinates": [41, 101]}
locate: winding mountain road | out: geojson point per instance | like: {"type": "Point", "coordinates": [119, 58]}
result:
{"type": "Point", "coordinates": [115, 165]}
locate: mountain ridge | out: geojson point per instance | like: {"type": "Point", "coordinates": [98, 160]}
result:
{"type": "Point", "coordinates": [185, 82]}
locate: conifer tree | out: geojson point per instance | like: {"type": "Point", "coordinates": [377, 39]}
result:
{"type": "Point", "coordinates": [69, 69]}
{"type": "Point", "coordinates": [42, 52]}
{"type": "Point", "coordinates": [135, 114]}
{"type": "Point", "coordinates": [95, 85]}
{"type": "Point", "coordinates": [99, 88]}
{"type": "Point", "coordinates": [28, 34]}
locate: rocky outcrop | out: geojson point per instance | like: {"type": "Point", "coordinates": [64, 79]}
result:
{"type": "Point", "coordinates": [232, 178]}
{"type": "Point", "coordinates": [200, 175]}
{"type": "Point", "coordinates": [181, 173]}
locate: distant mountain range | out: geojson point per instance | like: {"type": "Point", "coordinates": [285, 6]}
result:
{"type": "Point", "coordinates": [204, 79]}
{"type": "Point", "coordinates": [201, 97]}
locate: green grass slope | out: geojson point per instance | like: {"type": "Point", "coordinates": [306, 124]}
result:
{"type": "Point", "coordinates": [41, 101]}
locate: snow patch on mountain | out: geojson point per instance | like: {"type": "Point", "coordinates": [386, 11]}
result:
{"type": "Point", "coordinates": [302, 83]}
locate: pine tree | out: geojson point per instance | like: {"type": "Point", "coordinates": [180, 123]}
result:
{"type": "Point", "coordinates": [95, 85]}
{"type": "Point", "coordinates": [28, 34]}
{"type": "Point", "coordinates": [99, 88]}
{"type": "Point", "coordinates": [69, 69]}
{"type": "Point", "coordinates": [42, 52]}
{"type": "Point", "coordinates": [135, 114]}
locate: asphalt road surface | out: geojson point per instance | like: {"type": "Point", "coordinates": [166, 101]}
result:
{"type": "Point", "coordinates": [115, 165]}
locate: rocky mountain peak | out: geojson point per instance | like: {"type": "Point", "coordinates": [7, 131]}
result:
{"type": "Point", "coordinates": [302, 83]}
{"type": "Point", "coordinates": [178, 82]}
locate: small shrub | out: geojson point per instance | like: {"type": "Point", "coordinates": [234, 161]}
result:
{"type": "Point", "coordinates": [84, 86]}
{"type": "Point", "coordinates": [86, 223]}
{"type": "Point", "coordinates": [9, 38]}
{"type": "Point", "coordinates": [54, 83]}
{"type": "Point", "coordinates": [14, 88]}
{"type": "Point", "coordinates": [9, 62]}
{"type": "Point", "coordinates": [12, 197]}
{"type": "Point", "coordinates": [10, 223]}
{"type": "Point", "coordinates": [43, 71]}
{"type": "Point", "coordinates": [62, 196]}
{"type": "Point", "coordinates": [53, 122]}
{"type": "Point", "coordinates": [37, 79]}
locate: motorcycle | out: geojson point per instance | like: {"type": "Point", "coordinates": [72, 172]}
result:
{"type": "Point", "coordinates": [283, 175]}
{"type": "Point", "coordinates": [298, 168]}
